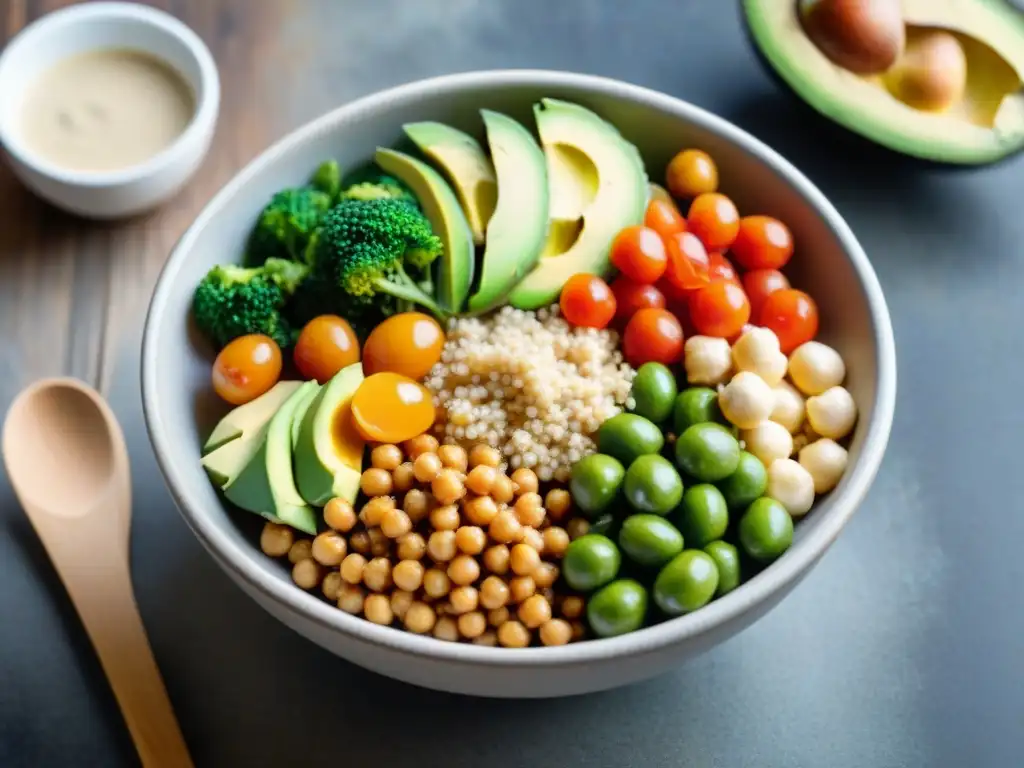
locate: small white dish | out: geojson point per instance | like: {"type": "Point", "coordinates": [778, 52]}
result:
{"type": "Point", "coordinates": [93, 26]}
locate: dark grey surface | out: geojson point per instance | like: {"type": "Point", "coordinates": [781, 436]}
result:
{"type": "Point", "coordinates": [903, 648]}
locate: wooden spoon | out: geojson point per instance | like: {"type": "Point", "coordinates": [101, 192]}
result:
{"type": "Point", "coordinates": [66, 457]}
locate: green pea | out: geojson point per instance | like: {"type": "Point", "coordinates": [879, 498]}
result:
{"type": "Point", "coordinates": [595, 482]}
{"type": "Point", "coordinates": [627, 436]}
{"type": "Point", "coordinates": [695, 405]}
{"type": "Point", "coordinates": [618, 608]}
{"type": "Point", "coordinates": [707, 452]}
{"type": "Point", "coordinates": [591, 561]}
{"type": "Point", "coordinates": [653, 485]}
{"type": "Point", "coordinates": [654, 392]}
{"type": "Point", "coordinates": [703, 515]}
{"type": "Point", "coordinates": [687, 583]}
{"type": "Point", "coordinates": [746, 484]}
{"type": "Point", "coordinates": [765, 530]}
{"type": "Point", "coordinates": [649, 540]}
{"type": "Point", "coordinates": [727, 559]}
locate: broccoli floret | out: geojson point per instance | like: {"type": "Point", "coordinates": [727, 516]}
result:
{"type": "Point", "coordinates": [287, 224]}
{"type": "Point", "coordinates": [232, 301]}
{"type": "Point", "coordinates": [380, 187]}
{"type": "Point", "coordinates": [327, 179]}
{"type": "Point", "coordinates": [370, 247]}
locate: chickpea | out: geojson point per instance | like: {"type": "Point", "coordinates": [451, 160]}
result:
{"type": "Point", "coordinates": [498, 616]}
{"type": "Point", "coordinates": [579, 630]}
{"type": "Point", "coordinates": [332, 582]}
{"type": "Point", "coordinates": [472, 625]}
{"type": "Point", "coordinates": [470, 539]}
{"type": "Point", "coordinates": [464, 570]}
{"type": "Point", "coordinates": [525, 481]}
{"type": "Point", "coordinates": [436, 583]}
{"type": "Point", "coordinates": [339, 515]}
{"type": "Point", "coordinates": [441, 546]}
{"type": "Point", "coordinates": [377, 574]}
{"type": "Point", "coordinates": [496, 559]}
{"type": "Point", "coordinates": [463, 599]}
{"type": "Point", "coordinates": [480, 510]}
{"type": "Point", "coordinates": [377, 608]}
{"type": "Point", "coordinates": [555, 632]}
{"type": "Point", "coordinates": [376, 482]}
{"type": "Point", "coordinates": [556, 541]}
{"type": "Point", "coordinates": [480, 479]}
{"type": "Point", "coordinates": [524, 559]}
{"type": "Point", "coordinates": [522, 587]}
{"type": "Point", "coordinates": [502, 490]}
{"type": "Point", "coordinates": [505, 528]}
{"type": "Point", "coordinates": [494, 593]}
{"type": "Point", "coordinates": [572, 607]}
{"type": "Point", "coordinates": [446, 628]}
{"type": "Point", "coordinates": [300, 550]}
{"type": "Point", "coordinates": [488, 638]}
{"type": "Point", "coordinates": [387, 457]}
{"type": "Point", "coordinates": [374, 509]}
{"type": "Point", "coordinates": [360, 542]}
{"type": "Point", "coordinates": [380, 545]}
{"type": "Point", "coordinates": [408, 575]}
{"type": "Point", "coordinates": [545, 575]}
{"type": "Point", "coordinates": [352, 568]}
{"type": "Point", "coordinates": [512, 634]}
{"type": "Point", "coordinates": [400, 602]}
{"type": "Point", "coordinates": [351, 598]}
{"type": "Point", "coordinates": [529, 509]}
{"type": "Point", "coordinates": [558, 502]}
{"type": "Point", "coordinates": [411, 546]}
{"type": "Point", "coordinates": [577, 527]}
{"type": "Point", "coordinates": [329, 548]}
{"type": "Point", "coordinates": [447, 487]}
{"type": "Point", "coordinates": [533, 538]}
{"type": "Point", "coordinates": [276, 540]}
{"type": "Point", "coordinates": [454, 457]}
{"type": "Point", "coordinates": [395, 523]}
{"type": "Point", "coordinates": [445, 518]}
{"type": "Point", "coordinates": [419, 618]}
{"type": "Point", "coordinates": [483, 455]}
{"type": "Point", "coordinates": [534, 611]}
{"type": "Point", "coordinates": [426, 467]}
{"type": "Point", "coordinates": [403, 477]}
{"type": "Point", "coordinates": [416, 505]}
{"type": "Point", "coordinates": [419, 445]}
{"type": "Point", "coordinates": [307, 573]}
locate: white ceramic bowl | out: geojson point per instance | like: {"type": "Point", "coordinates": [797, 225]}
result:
{"type": "Point", "coordinates": [829, 262]}
{"type": "Point", "coordinates": [87, 27]}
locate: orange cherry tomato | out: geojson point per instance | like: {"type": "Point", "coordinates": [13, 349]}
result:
{"type": "Point", "coordinates": [587, 301]}
{"type": "Point", "coordinates": [653, 335]}
{"type": "Point", "coordinates": [409, 343]}
{"type": "Point", "coordinates": [630, 297]}
{"type": "Point", "coordinates": [664, 218]}
{"type": "Point", "coordinates": [326, 345]}
{"type": "Point", "coordinates": [246, 368]}
{"type": "Point", "coordinates": [719, 267]}
{"type": "Point", "coordinates": [639, 254]}
{"type": "Point", "coordinates": [714, 219]}
{"type": "Point", "coordinates": [762, 243]}
{"type": "Point", "coordinates": [690, 173]}
{"type": "Point", "coordinates": [391, 408]}
{"type": "Point", "coordinates": [719, 309]}
{"type": "Point", "coordinates": [687, 262]}
{"type": "Point", "coordinates": [759, 284]}
{"type": "Point", "coordinates": [793, 315]}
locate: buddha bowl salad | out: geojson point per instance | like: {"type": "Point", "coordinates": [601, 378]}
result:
{"type": "Point", "coordinates": [501, 390]}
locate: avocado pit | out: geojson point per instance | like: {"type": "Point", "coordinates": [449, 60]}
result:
{"type": "Point", "coordinates": [862, 36]}
{"type": "Point", "coordinates": [932, 73]}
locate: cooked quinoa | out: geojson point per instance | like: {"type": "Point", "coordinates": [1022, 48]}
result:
{"type": "Point", "coordinates": [530, 385]}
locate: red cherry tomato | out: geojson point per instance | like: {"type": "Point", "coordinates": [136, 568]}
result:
{"type": "Point", "coordinates": [793, 315]}
{"type": "Point", "coordinates": [587, 301]}
{"type": "Point", "coordinates": [653, 335]}
{"type": "Point", "coordinates": [762, 243]}
{"type": "Point", "coordinates": [687, 262]}
{"type": "Point", "coordinates": [630, 297]}
{"type": "Point", "coordinates": [664, 218]}
{"type": "Point", "coordinates": [719, 267]}
{"type": "Point", "coordinates": [719, 309]}
{"type": "Point", "coordinates": [639, 254]}
{"type": "Point", "coordinates": [246, 368]}
{"type": "Point", "coordinates": [714, 219]}
{"type": "Point", "coordinates": [326, 345]}
{"type": "Point", "coordinates": [759, 284]}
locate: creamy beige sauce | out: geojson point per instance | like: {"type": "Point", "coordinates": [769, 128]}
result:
{"type": "Point", "coordinates": [105, 110]}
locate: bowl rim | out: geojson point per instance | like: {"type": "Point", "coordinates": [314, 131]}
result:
{"type": "Point", "coordinates": [239, 557]}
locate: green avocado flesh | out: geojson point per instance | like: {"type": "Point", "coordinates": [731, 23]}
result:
{"type": "Point", "coordinates": [329, 451]}
{"type": "Point", "coordinates": [467, 166]}
{"type": "Point", "coordinates": [266, 484]}
{"type": "Point", "coordinates": [519, 226]}
{"type": "Point", "coordinates": [598, 186]}
{"type": "Point", "coordinates": [984, 125]}
{"type": "Point", "coordinates": [250, 416]}
{"type": "Point", "coordinates": [457, 263]}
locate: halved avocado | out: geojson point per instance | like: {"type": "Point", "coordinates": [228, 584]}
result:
{"type": "Point", "coordinates": [519, 226]}
{"type": "Point", "coordinates": [329, 450]}
{"type": "Point", "coordinates": [266, 485]}
{"type": "Point", "coordinates": [467, 166]}
{"type": "Point", "coordinates": [594, 170]}
{"type": "Point", "coordinates": [983, 125]}
{"type": "Point", "coordinates": [441, 206]}
{"type": "Point", "coordinates": [250, 416]}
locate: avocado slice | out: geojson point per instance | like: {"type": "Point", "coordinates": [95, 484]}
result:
{"type": "Point", "coordinates": [985, 124]}
{"type": "Point", "coordinates": [300, 414]}
{"type": "Point", "coordinates": [518, 229]}
{"type": "Point", "coordinates": [616, 195]}
{"type": "Point", "coordinates": [329, 450]}
{"type": "Point", "coordinates": [467, 167]}
{"type": "Point", "coordinates": [266, 485]}
{"type": "Point", "coordinates": [250, 416]}
{"type": "Point", "coordinates": [441, 206]}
